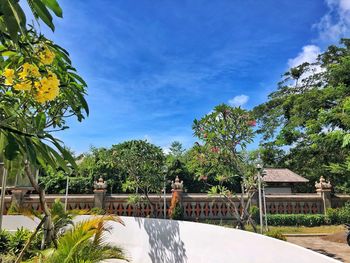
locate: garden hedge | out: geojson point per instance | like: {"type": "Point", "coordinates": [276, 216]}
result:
{"type": "Point", "coordinates": [296, 220]}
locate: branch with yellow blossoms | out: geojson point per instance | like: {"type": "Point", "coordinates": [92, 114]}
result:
{"type": "Point", "coordinates": [39, 88]}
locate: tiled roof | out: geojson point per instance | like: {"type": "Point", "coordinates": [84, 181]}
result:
{"type": "Point", "coordinates": [282, 175]}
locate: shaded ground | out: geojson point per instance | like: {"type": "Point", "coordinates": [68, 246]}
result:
{"type": "Point", "coordinates": [336, 250]}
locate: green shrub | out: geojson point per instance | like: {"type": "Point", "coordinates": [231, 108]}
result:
{"type": "Point", "coordinates": [178, 212]}
{"type": "Point", "coordinates": [276, 234]}
{"type": "Point", "coordinates": [97, 211]}
{"type": "Point", "coordinates": [4, 241]}
{"type": "Point", "coordinates": [295, 220]}
{"type": "Point", "coordinates": [19, 239]}
{"type": "Point", "coordinates": [338, 215]}
{"type": "Point", "coordinates": [254, 212]}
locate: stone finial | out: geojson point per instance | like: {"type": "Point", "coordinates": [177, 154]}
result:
{"type": "Point", "coordinates": [100, 184]}
{"type": "Point", "coordinates": [323, 184]}
{"type": "Point", "coordinates": [177, 185]}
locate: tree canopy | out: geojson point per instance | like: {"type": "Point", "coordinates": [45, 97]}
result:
{"type": "Point", "coordinates": [308, 118]}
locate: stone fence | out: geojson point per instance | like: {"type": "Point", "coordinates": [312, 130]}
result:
{"type": "Point", "coordinates": [196, 206]}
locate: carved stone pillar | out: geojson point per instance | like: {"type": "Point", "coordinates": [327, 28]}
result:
{"type": "Point", "coordinates": [177, 188]}
{"type": "Point", "coordinates": [324, 188]}
{"type": "Point", "coordinates": [100, 193]}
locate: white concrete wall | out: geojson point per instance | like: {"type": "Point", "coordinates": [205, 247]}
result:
{"type": "Point", "coordinates": [160, 241]}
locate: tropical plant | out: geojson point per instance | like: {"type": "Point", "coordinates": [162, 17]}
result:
{"type": "Point", "coordinates": [84, 242]}
{"type": "Point", "coordinates": [4, 241]}
{"type": "Point", "coordinates": [225, 132]}
{"type": "Point", "coordinates": [39, 90]}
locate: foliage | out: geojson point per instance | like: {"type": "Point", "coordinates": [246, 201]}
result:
{"type": "Point", "coordinates": [16, 241]}
{"type": "Point", "coordinates": [100, 162]}
{"type": "Point", "coordinates": [39, 90]}
{"type": "Point", "coordinates": [306, 121]}
{"type": "Point", "coordinates": [338, 215]}
{"type": "Point", "coordinates": [276, 234]}
{"type": "Point", "coordinates": [55, 182]}
{"type": "Point", "coordinates": [97, 211]}
{"type": "Point", "coordinates": [85, 242]}
{"type": "Point", "coordinates": [143, 165]}
{"type": "Point", "coordinates": [176, 149]}
{"type": "Point", "coordinates": [60, 217]}
{"type": "Point", "coordinates": [226, 131]}
{"type": "Point", "coordinates": [13, 18]}
{"type": "Point", "coordinates": [296, 219]}
{"type": "Point", "coordinates": [254, 212]}
{"type": "Point", "coordinates": [177, 165]}
{"type": "Point", "coordinates": [4, 241]}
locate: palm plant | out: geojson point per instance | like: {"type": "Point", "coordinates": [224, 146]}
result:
{"type": "Point", "coordinates": [84, 242]}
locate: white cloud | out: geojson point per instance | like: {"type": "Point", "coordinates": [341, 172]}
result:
{"type": "Point", "coordinates": [239, 100]}
{"type": "Point", "coordinates": [308, 54]}
{"type": "Point", "coordinates": [336, 22]}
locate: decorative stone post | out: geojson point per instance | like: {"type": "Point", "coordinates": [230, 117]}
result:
{"type": "Point", "coordinates": [176, 206]}
{"type": "Point", "coordinates": [17, 197]}
{"type": "Point", "coordinates": [177, 188]}
{"type": "Point", "coordinates": [324, 188]}
{"type": "Point", "coordinates": [99, 192]}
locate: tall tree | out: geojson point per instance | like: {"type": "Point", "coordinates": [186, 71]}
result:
{"type": "Point", "coordinates": [309, 117]}
{"type": "Point", "coordinates": [143, 164]}
{"type": "Point", "coordinates": [225, 133]}
{"type": "Point", "coordinates": [39, 90]}
{"type": "Point", "coordinates": [176, 149]}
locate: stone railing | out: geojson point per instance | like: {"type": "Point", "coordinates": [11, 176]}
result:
{"type": "Point", "coordinates": [196, 206]}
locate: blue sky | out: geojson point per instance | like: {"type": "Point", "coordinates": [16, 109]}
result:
{"type": "Point", "coordinates": [153, 66]}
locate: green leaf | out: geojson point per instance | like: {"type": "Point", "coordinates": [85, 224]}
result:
{"type": "Point", "coordinates": [12, 148]}
{"type": "Point", "coordinates": [66, 155]}
{"type": "Point", "coordinates": [77, 77]}
{"type": "Point", "coordinates": [40, 121]}
{"type": "Point", "coordinates": [54, 6]}
{"type": "Point", "coordinates": [41, 11]}
{"type": "Point", "coordinates": [346, 140]}
{"type": "Point", "coordinates": [19, 14]}
{"type": "Point", "coordinates": [9, 19]}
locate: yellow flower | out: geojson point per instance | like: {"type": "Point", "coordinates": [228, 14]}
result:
{"type": "Point", "coordinates": [9, 73]}
{"type": "Point", "coordinates": [47, 88]}
{"type": "Point", "coordinates": [40, 97]}
{"type": "Point", "coordinates": [9, 81]}
{"type": "Point", "coordinates": [46, 56]}
{"type": "Point", "coordinates": [25, 85]}
{"type": "Point", "coordinates": [29, 70]}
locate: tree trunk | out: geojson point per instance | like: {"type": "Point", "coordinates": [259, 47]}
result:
{"type": "Point", "coordinates": [48, 225]}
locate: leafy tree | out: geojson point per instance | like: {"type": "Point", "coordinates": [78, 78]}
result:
{"type": "Point", "coordinates": [100, 162]}
{"type": "Point", "coordinates": [308, 117]}
{"type": "Point", "coordinates": [176, 149]}
{"type": "Point", "coordinates": [55, 181]}
{"type": "Point", "coordinates": [225, 133]}
{"type": "Point", "coordinates": [143, 164]}
{"type": "Point", "coordinates": [176, 162]}
{"type": "Point", "coordinates": [39, 90]}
